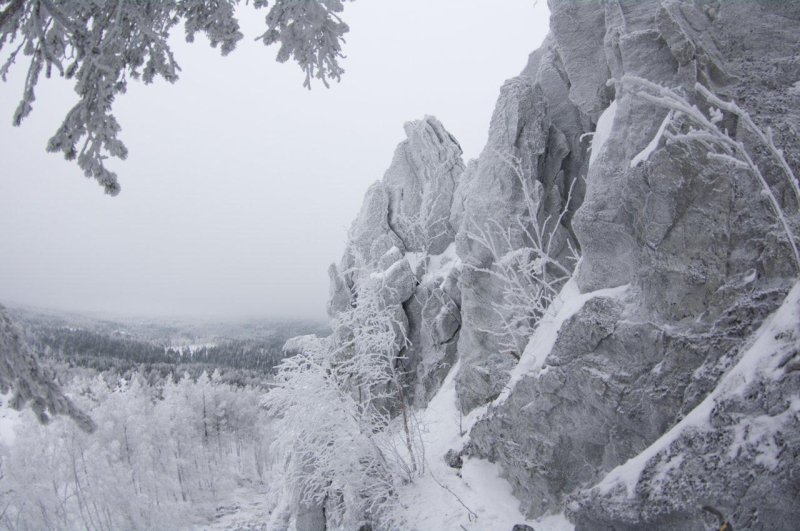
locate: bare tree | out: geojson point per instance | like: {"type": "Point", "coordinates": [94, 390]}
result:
{"type": "Point", "coordinates": [531, 275]}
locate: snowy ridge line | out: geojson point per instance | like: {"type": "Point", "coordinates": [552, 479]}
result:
{"type": "Point", "coordinates": [761, 357]}
{"type": "Point", "coordinates": [567, 303]}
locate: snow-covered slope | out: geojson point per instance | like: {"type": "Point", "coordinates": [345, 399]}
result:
{"type": "Point", "coordinates": [8, 419]}
{"type": "Point", "coordinates": [743, 434]}
{"type": "Point", "coordinates": [472, 497]}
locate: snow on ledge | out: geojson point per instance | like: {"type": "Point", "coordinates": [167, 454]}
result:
{"type": "Point", "coordinates": [761, 357]}
{"type": "Point", "coordinates": [602, 131]}
{"type": "Point", "coordinates": [644, 154]}
{"type": "Point", "coordinates": [568, 302]}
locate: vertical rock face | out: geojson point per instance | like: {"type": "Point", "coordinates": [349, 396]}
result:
{"type": "Point", "coordinates": [682, 260]}
{"type": "Point", "coordinates": [421, 181]}
{"type": "Point", "coordinates": [403, 235]}
{"type": "Point", "coordinates": [703, 259]}
{"type": "Point", "coordinates": [736, 452]}
{"type": "Point", "coordinates": [525, 151]}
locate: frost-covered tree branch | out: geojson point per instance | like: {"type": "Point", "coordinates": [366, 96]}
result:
{"type": "Point", "coordinates": [310, 32]}
{"type": "Point", "coordinates": [101, 45]}
{"type": "Point", "coordinates": [21, 372]}
{"type": "Point", "coordinates": [719, 143]}
{"type": "Point", "coordinates": [531, 275]}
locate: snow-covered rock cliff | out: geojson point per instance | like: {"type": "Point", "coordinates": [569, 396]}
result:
{"type": "Point", "coordinates": [670, 380]}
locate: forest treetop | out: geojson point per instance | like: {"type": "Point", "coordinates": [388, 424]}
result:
{"type": "Point", "coordinates": [101, 44]}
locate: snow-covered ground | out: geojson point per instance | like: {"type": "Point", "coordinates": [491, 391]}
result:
{"type": "Point", "coordinates": [8, 419]}
{"type": "Point", "coordinates": [247, 510]}
{"type": "Point", "coordinates": [476, 497]}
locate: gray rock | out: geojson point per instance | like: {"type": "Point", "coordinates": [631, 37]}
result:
{"type": "Point", "coordinates": [737, 452]}
{"type": "Point", "coordinates": [704, 264]}
{"type": "Point", "coordinates": [400, 328]}
{"type": "Point", "coordinates": [311, 518]}
{"type": "Point", "coordinates": [700, 251]}
{"type": "Point", "coordinates": [409, 211]}
{"type": "Point", "coordinates": [420, 182]}
{"type": "Point", "coordinates": [397, 283]}
{"type": "Point", "coordinates": [339, 298]}
{"type": "Point", "coordinates": [579, 30]}
{"type": "Point", "coordinates": [453, 459]}
{"type": "Point", "coordinates": [370, 226]}
{"type": "Point", "coordinates": [461, 192]}
{"type": "Point", "coordinates": [434, 367]}
{"type": "Point", "coordinates": [493, 200]}
{"type": "Point", "coordinates": [383, 247]}
{"type": "Point", "coordinates": [441, 317]}
{"type": "Point", "coordinates": [389, 258]}
{"type": "Point", "coordinates": [433, 333]}
{"type": "Point", "coordinates": [519, 127]}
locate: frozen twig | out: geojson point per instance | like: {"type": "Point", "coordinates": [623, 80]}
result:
{"type": "Point", "coordinates": [530, 274]}
{"type": "Point", "coordinates": [719, 143]}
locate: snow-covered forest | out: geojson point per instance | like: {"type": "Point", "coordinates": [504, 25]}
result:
{"type": "Point", "coordinates": [161, 457]}
{"type": "Point", "coordinates": [592, 322]}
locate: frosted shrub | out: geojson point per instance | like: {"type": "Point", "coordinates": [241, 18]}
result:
{"type": "Point", "coordinates": [340, 443]}
{"type": "Point", "coordinates": [530, 274]}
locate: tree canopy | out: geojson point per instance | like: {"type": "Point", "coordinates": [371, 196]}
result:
{"type": "Point", "coordinates": [102, 44]}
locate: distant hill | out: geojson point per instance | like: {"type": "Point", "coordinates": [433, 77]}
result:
{"type": "Point", "coordinates": [252, 347]}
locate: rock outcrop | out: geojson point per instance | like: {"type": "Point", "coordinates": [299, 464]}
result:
{"type": "Point", "coordinates": [403, 236]}
{"type": "Point", "coordinates": [696, 245]}
{"type": "Point", "coordinates": [682, 262]}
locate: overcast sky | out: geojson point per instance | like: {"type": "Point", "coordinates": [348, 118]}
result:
{"type": "Point", "coordinates": [240, 184]}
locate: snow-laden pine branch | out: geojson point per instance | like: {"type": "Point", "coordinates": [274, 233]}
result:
{"type": "Point", "coordinates": [102, 45]}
